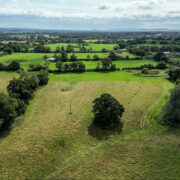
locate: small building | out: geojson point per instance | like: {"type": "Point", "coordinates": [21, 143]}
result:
{"type": "Point", "coordinates": [167, 53]}
{"type": "Point", "coordinates": [51, 59]}
{"type": "Point", "coordinates": [121, 52]}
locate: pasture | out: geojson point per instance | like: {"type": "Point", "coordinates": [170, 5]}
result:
{"type": "Point", "coordinates": [49, 143]}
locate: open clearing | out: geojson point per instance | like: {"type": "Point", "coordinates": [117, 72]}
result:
{"type": "Point", "coordinates": [46, 143]}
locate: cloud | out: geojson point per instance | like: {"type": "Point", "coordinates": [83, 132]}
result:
{"type": "Point", "coordinates": [104, 6]}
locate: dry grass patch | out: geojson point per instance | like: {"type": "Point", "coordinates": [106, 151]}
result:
{"type": "Point", "coordinates": [4, 81]}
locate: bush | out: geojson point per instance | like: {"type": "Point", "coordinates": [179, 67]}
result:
{"type": "Point", "coordinates": [161, 65]}
{"type": "Point", "coordinates": [35, 67]}
{"type": "Point", "coordinates": [2, 67]}
{"type": "Point", "coordinates": [13, 66]}
{"type": "Point", "coordinates": [161, 57]}
{"type": "Point", "coordinates": [43, 78]}
{"type": "Point", "coordinates": [107, 111]}
{"type": "Point", "coordinates": [145, 71]}
{"type": "Point", "coordinates": [19, 89]}
{"type": "Point", "coordinates": [31, 80]}
{"type": "Point", "coordinates": [174, 74]}
{"type": "Point", "coordinates": [171, 111]}
{"type": "Point", "coordinates": [8, 112]}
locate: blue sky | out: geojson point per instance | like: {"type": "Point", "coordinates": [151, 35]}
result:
{"type": "Point", "coordinates": [90, 14]}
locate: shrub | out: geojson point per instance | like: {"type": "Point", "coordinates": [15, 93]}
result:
{"type": "Point", "coordinates": [107, 111]}
{"type": "Point", "coordinates": [112, 56]}
{"type": "Point", "coordinates": [59, 66]}
{"type": "Point", "coordinates": [19, 89]}
{"type": "Point", "coordinates": [35, 67]}
{"type": "Point", "coordinates": [161, 57]}
{"type": "Point", "coordinates": [8, 112]}
{"type": "Point", "coordinates": [145, 71]}
{"type": "Point", "coordinates": [171, 111]}
{"type": "Point", "coordinates": [31, 80]}
{"type": "Point", "coordinates": [13, 66]}
{"type": "Point", "coordinates": [2, 67]}
{"type": "Point", "coordinates": [43, 78]}
{"type": "Point", "coordinates": [161, 65]}
{"type": "Point", "coordinates": [174, 74]}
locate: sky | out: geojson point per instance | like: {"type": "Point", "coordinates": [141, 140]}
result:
{"type": "Point", "coordinates": [90, 14]}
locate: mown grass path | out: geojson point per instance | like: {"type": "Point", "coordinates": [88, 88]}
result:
{"type": "Point", "coordinates": [147, 114]}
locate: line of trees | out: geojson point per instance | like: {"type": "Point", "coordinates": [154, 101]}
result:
{"type": "Point", "coordinates": [14, 48]}
{"type": "Point", "coordinates": [71, 67]}
{"type": "Point", "coordinates": [20, 91]}
{"type": "Point", "coordinates": [106, 65]}
{"type": "Point", "coordinates": [13, 66]}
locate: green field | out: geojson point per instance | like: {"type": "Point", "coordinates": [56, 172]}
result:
{"type": "Point", "coordinates": [150, 45]}
{"type": "Point", "coordinates": [175, 59]}
{"type": "Point", "coordinates": [51, 144]}
{"type": "Point", "coordinates": [98, 76]}
{"type": "Point", "coordinates": [99, 47]}
{"type": "Point", "coordinates": [37, 58]}
{"type": "Point", "coordinates": [95, 47]}
{"type": "Point", "coordinates": [121, 64]}
{"type": "Point", "coordinates": [54, 46]}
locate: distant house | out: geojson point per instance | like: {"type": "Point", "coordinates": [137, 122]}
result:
{"type": "Point", "coordinates": [121, 52]}
{"type": "Point", "coordinates": [51, 59]}
{"type": "Point", "coordinates": [167, 53]}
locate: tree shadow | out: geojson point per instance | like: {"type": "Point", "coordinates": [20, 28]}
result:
{"type": "Point", "coordinates": [103, 134]}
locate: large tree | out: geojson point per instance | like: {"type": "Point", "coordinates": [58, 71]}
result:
{"type": "Point", "coordinates": [160, 57]}
{"type": "Point", "coordinates": [107, 111]}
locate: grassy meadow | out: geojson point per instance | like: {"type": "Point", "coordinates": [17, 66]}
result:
{"type": "Point", "coordinates": [49, 143]}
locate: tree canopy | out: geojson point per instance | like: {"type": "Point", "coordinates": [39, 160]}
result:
{"type": "Point", "coordinates": [107, 111]}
